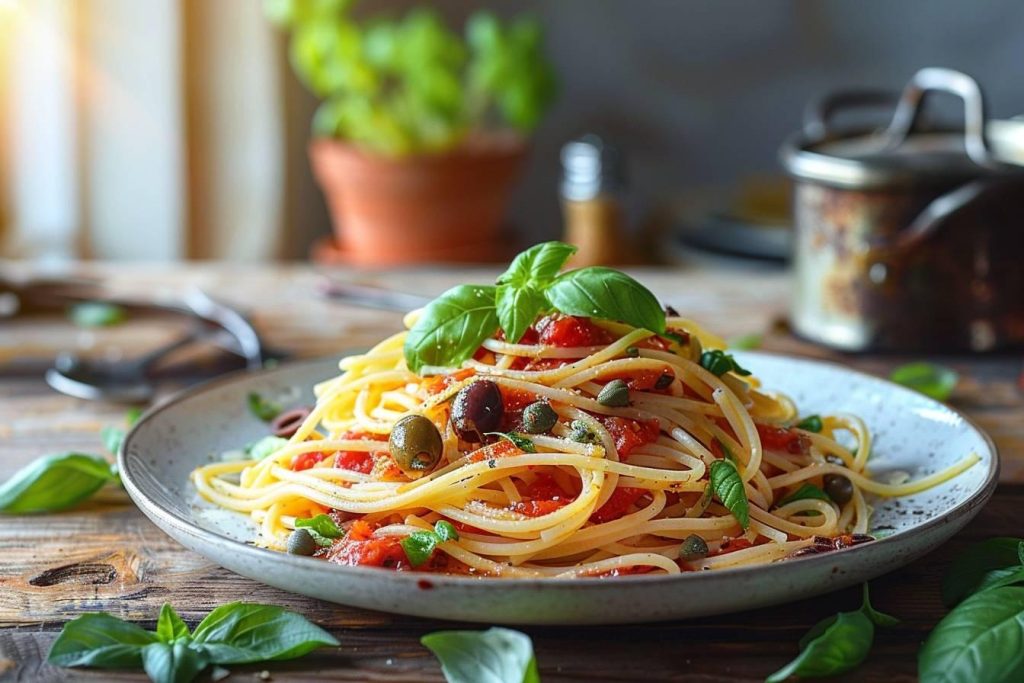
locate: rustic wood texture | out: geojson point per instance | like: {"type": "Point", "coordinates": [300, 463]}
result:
{"type": "Point", "coordinates": [107, 556]}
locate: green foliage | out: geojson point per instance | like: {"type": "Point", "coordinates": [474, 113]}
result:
{"type": "Point", "coordinates": [411, 84]}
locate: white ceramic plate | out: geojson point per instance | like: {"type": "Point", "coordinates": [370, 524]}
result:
{"type": "Point", "coordinates": [913, 434]}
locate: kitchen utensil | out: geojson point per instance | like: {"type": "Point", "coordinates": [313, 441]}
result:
{"type": "Point", "coordinates": [371, 296]}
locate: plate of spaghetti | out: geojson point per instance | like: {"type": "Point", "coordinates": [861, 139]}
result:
{"type": "Point", "coordinates": [557, 448]}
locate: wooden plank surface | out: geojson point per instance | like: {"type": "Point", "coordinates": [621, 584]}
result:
{"type": "Point", "coordinates": [107, 556]}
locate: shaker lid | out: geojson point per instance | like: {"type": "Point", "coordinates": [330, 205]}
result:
{"type": "Point", "coordinates": [590, 167]}
{"type": "Point", "coordinates": [899, 154]}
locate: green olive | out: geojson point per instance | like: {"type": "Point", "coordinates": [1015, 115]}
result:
{"type": "Point", "coordinates": [415, 445]}
{"type": "Point", "coordinates": [301, 542]}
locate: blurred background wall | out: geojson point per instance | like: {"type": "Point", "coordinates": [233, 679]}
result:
{"type": "Point", "coordinates": [166, 130]}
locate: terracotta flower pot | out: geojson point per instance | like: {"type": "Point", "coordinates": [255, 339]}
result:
{"type": "Point", "coordinates": [443, 207]}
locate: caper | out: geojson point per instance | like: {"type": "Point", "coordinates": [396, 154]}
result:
{"type": "Point", "coordinates": [580, 432]}
{"type": "Point", "coordinates": [301, 542]}
{"type": "Point", "coordinates": [632, 352]}
{"type": "Point", "coordinates": [415, 445]}
{"type": "Point", "coordinates": [615, 394]}
{"type": "Point", "coordinates": [693, 548]}
{"type": "Point", "coordinates": [476, 410]}
{"type": "Point", "coordinates": [838, 488]}
{"type": "Point", "coordinates": [539, 418]}
{"type": "Point", "coordinates": [664, 380]}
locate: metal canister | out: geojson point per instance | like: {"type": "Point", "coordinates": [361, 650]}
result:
{"type": "Point", "coordinates": [909, 237]}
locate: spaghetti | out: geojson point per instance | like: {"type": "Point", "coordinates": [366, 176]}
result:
{"type": "Point", "coordinates": [620, 482]}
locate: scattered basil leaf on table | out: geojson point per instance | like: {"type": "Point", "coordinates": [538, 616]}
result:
{"type": "Point", "coordinates": [835, 645]}
{"type": "Point", "coordinates": [169, 626]}
{"type": "Point", "coordinates": [241, 633]}
{"type": "Point", "coordinates": [97, 314]}
{"type": "Point", "coordinates": [606, 293]}
{"type": "Point", "coordinates": [497, 655]}
{"type": "Point", "coordinates": [263, 408]}
{"type": "Point", "coordinates": [746, 342]}
{"type": "Point", "coordinates": [811, 423]}
{"type": "Point", "coordinates": [970, 568]}
{"type": "Point", "coordinates": [718, 362]}
{"type": "Point", "coordinates": [932, 380]}
{"type": "Point", "coordinates": [322, 528]}
{"type": "Point", "coordinates": [55, 482]}
{"type": "Point", "coordinates": [452, 327]}
{"type": "Point", "coordinates": [174, 662]}
{"type": "Point", "coordinates": [420, 545]}
{"type": "Point", "coordinates": [113, 436]}
{"type": "Point", "coordinates": [728, 487]}
{"type": "Point", "coordinates": [979, 640]}
{"type": "Point", "coordinates": [100, 640]}
{"type": "Point", "coordinates": [518, 307]}
{"type": "Point", "coordinates": [517, 440]}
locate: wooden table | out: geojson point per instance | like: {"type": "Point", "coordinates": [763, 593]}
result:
{"type": "Point", "coordinates": [108, 556]}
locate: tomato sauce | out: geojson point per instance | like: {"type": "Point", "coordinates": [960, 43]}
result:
{"type": "Point", "coordinates": [617, 505]}
{"type": "Point", "coordinates": [630, 434]}
{"type": "Point", "coordinates": [571, 331]}
{"type": "Point", "coordinates": [541, 497]}
{"type": "Point", "coordinates": [782, 439]}
{"type": "Point", "coordinates": [435, 385]}
{"type": "Point", "coordinates": [304, 461]}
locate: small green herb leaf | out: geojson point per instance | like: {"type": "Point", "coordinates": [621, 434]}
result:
{"type": "Point", "coordinates": [718, 362]}
{"type": "Point", "coordinates": [606, 293]}
{"type": "Point", "coordinates": [538, 265]}
{"type": "Point", "coordinates": [746, 342]}
{"type": "Point", "coordinates": [580, 432]}
{"type": "Point", "coordinates": [833, 646]}
{"type": "Point", "coordinates": [177, 662]}
{"type": "Point", "coordinates": [805, 492]}
{"type": "Point", "coordinates": [268, 445]}
{"type": "Point", "coordinates": [97, 314]}
{"type": "Point", "coordinates": [930, 379]}
{"type": "Point", "coordinates": [811, 423]}
{"type": "Point", "coordinates": [419, 546]}
{"type": "Point", "coordinates": [728, 487]}
{"type": "Point", "coordinates": [54, 482]}
{"type": "Point", "coordinates": [1010, 576]}
{"type": "Point", "coordinates": [518, 440]}
{"type": "Point", "coordinates": [452, 327]}
{"type": "Point", "coordinates": [878, 618]}
{"type": "Point", "coordinates": [445, 531]}
{"type": "Point", "coordinates": [322, 526]}
{"type": "Point", "coordinates": [132, 415]}
{"type": "Point", "coordinates": [169, 626]}
{"type": "Point", "coordinates": [979, 640]}
{"type": "Point", "coordinates": [239, 633]}
{"type": "Point", "coordinates": [970, 567]}
{"type": "Point", "coordinates": [497, 655]}
{"type": "Point", "coordinates": [263, 408]}
{"type": "Point", "coordinates": [102, 641]}
{"type": "Point", "coordinates": [518, 308]}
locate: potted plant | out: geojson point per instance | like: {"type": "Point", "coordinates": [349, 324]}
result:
{"type": "Point", "coordinates": [421, 132]}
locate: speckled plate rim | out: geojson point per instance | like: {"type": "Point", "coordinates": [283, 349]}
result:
{"type": "Point", "coordinates": [161, 515]}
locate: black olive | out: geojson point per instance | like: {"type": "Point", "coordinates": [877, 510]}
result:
{"type": "Point", "coordinates": [301, 542]}
{"type": "Point", "coordinates": [476, 410]}
{"type": "Point", "coordinates": [415, 445]}
{"type": "Point", "coordinates": [664, 380]}
{"type": "Point", "coordinates": [287, 423]}
{"type": "Point", "coordinates": [838, 488]}
{"type": "Point", "coordinates": [539, 418]}
{"type": "Point", "coordinates": [693, 548]}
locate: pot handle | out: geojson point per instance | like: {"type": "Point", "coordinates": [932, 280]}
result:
{"type": "Point", "coordinates": [819, 112]}
{"type": "Point", "coordinates": [908, 110]}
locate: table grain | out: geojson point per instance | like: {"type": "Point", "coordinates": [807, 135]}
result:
{"type": "Point", "coordinates": [107, 556]}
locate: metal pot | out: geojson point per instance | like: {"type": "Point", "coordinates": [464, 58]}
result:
{"type": "Point", "coordinates": [909, 238]}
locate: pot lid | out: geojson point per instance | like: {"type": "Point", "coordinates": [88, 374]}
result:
{"type": "Point", "coordinates": [899, 154]}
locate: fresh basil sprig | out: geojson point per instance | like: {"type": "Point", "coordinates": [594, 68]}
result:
{"type": "Point", "coordinates": [728, 488]}
{"type": "Point", "coordinates": [970, 569]}
{"type": "Point", "coordinates": [420, 545]}
{"type": "Point", "coordinates": [497, 655]}
{"type": "Point", "coordinates": [55, 482]}
{"type": "Point", "coordinates": [936, 381]}
{"type": "Point", "coordinates": [452, 327]}
{"type": "Point", "coordinates": [236, 633]}
{"type": "Point", "coordinates": [835, 645]}
{"type": "Point", "coordinates": [113, 436]}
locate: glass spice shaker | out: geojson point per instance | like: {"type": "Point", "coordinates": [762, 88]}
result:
{"type": "Point", "coordinates": [591, 187]}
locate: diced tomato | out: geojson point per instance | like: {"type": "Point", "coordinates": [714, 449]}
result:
{"type": "Point", "coordinates": [571, 330]}
{"type": "Point", "coordinates": [537, 508]}
{"type": "Point", "coordinates": [514, 401]}
{"type": "Point", "coordinates": [369, 552]}
{"type": "Point", "coordinates": [537, 364]}
{"type": "Point", "coordinates": [437, 384]}
{"type": "Point", "coordinates": [362, 436]}
{"type": "Point", "coordinates": [617, 505]}
{"type": "Point", "coordinates": [663, 343]}
{"type": "Point", "coordinates": [499, 449]}
{"type": "Point", "coordinates": [732, 545]}
{"type": "Point", "coordinates": [529, 337]}
{"type": "Point", "coordinates": [630, 434]}
{"type": "Point", "coordinates": [643, 380]}
{"type": "Point", "coordinates": [359, 531]}
{"type": "Point", "coordinates": [781, 439]}
{"type": "Point", "coordinates": [620, 571]}
{"type": "Point", "coordinates": [541, 497]}
{"type": "Point", "coordinates": [304, 461]}
{"type": "Point", "coordinates": [357, 461]}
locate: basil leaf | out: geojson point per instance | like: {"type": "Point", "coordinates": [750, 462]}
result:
{"type": "Point", "coordinates": [497, 655]}
{"type": "Point", "coordinates": [266, 446]}
{"type": "Point", "coordinates": [980, 640]}
{"type": "Point", "coordinates": [169, 626]}
{"type": "Point", "coordinates": [54, 482]}
{"type": "Point", "coordinates": [100, 640]}
{"type": "Point", "coordinates": [112, 438]}
{"type": "Point", "coordinates": [805, 492]}
{"type": "Point", "coordinates": [323, 525]}
{"type": "Point", "coordinates": [239, 633]}
{"type": "Point", "coordinates": [878, 618]}
{"type": "Point", "coordinates": [811, 423]}
{"type": "Point", "coordinates": [718, 362]}
{"type": "Point", "coordinates": [599, 292]}
{"type": "Point", "coordinates": [132, 415]}
{"type": "Point", "coordinates": [518, 308]}
{"type": "Point", "coordinates": [969, 569]}
{"type": "Point", "coordinates": [931, 380]}
{"type": "Point", "coordinates": [445, 531]}
{"type": "Point", "coordinates": [452, 327]}
{"type": "Point", "coordinates": [728, 487]}
{"type": "Point", "coordinates": [538, 265]}
{"type": "Point", "coordinates": [746, 342]}
{"type": "Point", "coordinates": [97, 314]}
{"type": "Point", "coordinates": [517, 440]}
{"type": "Point", "coordinates": [419, 546]}
{"type": "Point", "coordinates": [833, 646]}
{"type": "Point", "coordinates": [173, 662]}
{"type": "Point", "coordinates": [1001, 577]}
{"type": "Point", "coordinates": [263, 408]}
